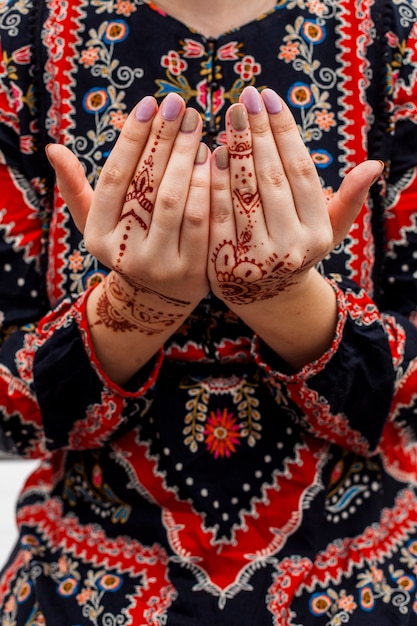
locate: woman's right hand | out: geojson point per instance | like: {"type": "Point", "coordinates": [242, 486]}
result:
{"type": "Point", "coordinates": [147, 220]}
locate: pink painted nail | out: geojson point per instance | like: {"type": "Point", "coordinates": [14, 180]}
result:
{"type": "Point", "coordinates": [272, 101]}
{"type": "Point", "coordinates": [252, 100]}
{"type": "Point", "coordinates": [145, 109]}
{"type": "Point", "coordinates": [171, 107]}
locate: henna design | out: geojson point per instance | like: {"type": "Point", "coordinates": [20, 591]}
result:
{"type": "Point", "coordinates": [128, 314]}
{"type": "Point", "coordinates": [142, 186]}
{"type": "Point", "coordinates": [142, 194]}
{"type": "Point", "coordinates": [245, 280]}
{"type": "Point", "coordinates": [241, 145]}
{"type": "Point", "coordinates": [152, 292]}
{"type": "Point", "coordinates": [111, 317]}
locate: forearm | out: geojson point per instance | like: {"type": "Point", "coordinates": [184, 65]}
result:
{"type": "Point", "coordinates": [298, 325]}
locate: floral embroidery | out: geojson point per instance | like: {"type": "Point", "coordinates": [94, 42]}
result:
{"type": "Point", "coordinates": [172, 467]}
{"type": "Point", "coordinates": [198, 426]}
{"type": "Point", "coordinates": [222, 433]}
{"type": "Point", "coordinates": [247, 68]}
{"type": "Point", "coordinates": [95, 493]}
{"type": "Point", "coordinates": [173, 62]}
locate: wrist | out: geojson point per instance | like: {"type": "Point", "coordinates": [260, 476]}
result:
{"type": "Point", "coordinates": [299, 326]}
{"type": "Point", "coordinates": [124, 307]}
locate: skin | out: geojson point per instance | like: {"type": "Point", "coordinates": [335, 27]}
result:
{"type": "Point", "coordinates": [217, 17]}
{"type": "Point", "coordinates": [248, 222]}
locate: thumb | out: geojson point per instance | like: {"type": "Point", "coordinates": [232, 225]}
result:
{"type": "Point", "coordinates": [72, 182]}
{"type": "Point", "coordinates": [347, 202]}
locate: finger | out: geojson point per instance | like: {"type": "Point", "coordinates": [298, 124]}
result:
{"type": "Point", "coordinates": [298, 167]}
{"type": "Point", "coordinates": [139, 205]}
{"type": "Point", "coordinates": [195, 223]}
{"type": "Point", "coordinates": [228, 259]}
{"type": "Point", "coordinates": [274, 187]}
{"type": "Point", "coordinates": [345, 206]}
{"type": "Point", "coordinates": [222, 218]}
{"type": "Point", "coordinates": [171, 196]}
{"type": "Point", "coordinates": [118, 170]}
{"type": "Point", "coordinates": [72, 182]}
{"type": "Point", "coordinates": [248, 210]}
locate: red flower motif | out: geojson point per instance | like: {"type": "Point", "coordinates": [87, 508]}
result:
{"type": "Point", "coordinates": [192, 49]}
{"type": "Point", "coordinates": [22, 55]}
{"type": "Point", "coordinates": [174, 63]}
{"type": "Point", "coordinates": [26, 144]}
{"type": "Point", "coordinates": [247, 67]}
{"type": "Point", "coordinates": [228, 52]}
{"type": "Point", "coordinates": [222, 434]}
{"type": "Point", "coordinates": [202, 94]}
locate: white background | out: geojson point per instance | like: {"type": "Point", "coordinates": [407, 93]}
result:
{"type": "Point", "coordinates": [13, 473]}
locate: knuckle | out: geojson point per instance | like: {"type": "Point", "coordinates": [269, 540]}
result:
{"type": "Point", "coordinates": [170, 200]}
{"type": "Point", "coordinates": [285, 125]}
{"type": "Point", "coordinates": [261, 128]}
{"type": "Point", "coordinates": [111, 175]}
{"type": "Point", "coordinates": [222, 214]}
{"type": "Point", "coordinates": [272, 176]}
{"type": "Point", "coordinates": [194, 216]}
{"type": "Point", "coordinates": [302, 167]}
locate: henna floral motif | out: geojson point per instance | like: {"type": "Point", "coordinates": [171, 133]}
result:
{"type": "Point", "coordinates": [243, 280]}
{"type": "Point", "coordinates": [111, 317]}
{"type": "Point", "coordinates": [142, 186]}
{"type": "Point", "coordinates": [119, 310]}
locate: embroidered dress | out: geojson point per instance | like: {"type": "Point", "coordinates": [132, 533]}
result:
{"type": "Point", "coordinates": [218, 487]}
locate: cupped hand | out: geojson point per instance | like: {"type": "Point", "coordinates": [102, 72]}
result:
{"type": "Point", "coordinates": [148, 217]}
{"type": "Point", "coordinates": [270, 222]}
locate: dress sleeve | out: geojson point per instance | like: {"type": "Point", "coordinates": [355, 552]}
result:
{"type": "Point", "coordinates": [361, 394]}
{"type": "Point", "coordinates": [345, 396]}
{"type": "Point", "coordinates": [399, 283]}
{"type": "Point", "coordinates": [53, 394]}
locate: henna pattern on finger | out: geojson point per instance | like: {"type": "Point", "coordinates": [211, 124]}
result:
{"type": "Point", "coordinates": [141, 194]}
{"type": "Point", "coordinates": [142, 187]}
{"type": "Point", "coordinates": [241, 146]}
{"type": "Point", "coordinates": [245, 194]}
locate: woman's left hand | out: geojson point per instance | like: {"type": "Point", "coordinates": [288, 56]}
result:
{"type": "Point", "coordinates": [270, 221]}
{"type": "Point", "coordinates": [270, 225]}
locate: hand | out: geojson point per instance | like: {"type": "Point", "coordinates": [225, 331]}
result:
{"type": "Point", "coordinates": [148, 221]}
{"type": "Point", "coordinates": [270, 225]}
{"type": "Point", "coordinates": [148, 216]}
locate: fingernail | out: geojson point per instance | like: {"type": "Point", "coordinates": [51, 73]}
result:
{"type": "Point", "coordinates": [239, 117]}
{"type": "Point", "coordinates": [201, 156]}
{"type": "Point", "coordinates": [272, 101]}
{"type": "Point", "coordinates": [222, 158]}
{"type": "Point", "coordinates": [49, 155]}
{"type": "Point", "coordinates": [145, 110]}
{"type": "Point", "coordinates": [171, 107]}
{"type": "Point", "coordinates": [252, 100]}
{"type": "Point", "coordinates": [189, 121]}
{"type": "Point", "coordinates": [378, 176]}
